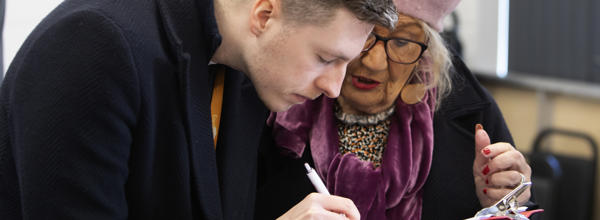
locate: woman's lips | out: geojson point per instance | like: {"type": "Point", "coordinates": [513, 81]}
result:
{"type": "Point", "coordinates": [364, 83]}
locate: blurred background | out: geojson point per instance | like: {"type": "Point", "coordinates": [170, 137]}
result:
{"type": "Point", "coordinates": [540, 59]}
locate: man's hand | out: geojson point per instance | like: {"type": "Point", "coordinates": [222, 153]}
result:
{"type": "Point", "coordinates": [497, 168]}
{"type": "Point", "coordinates": [319, 206]}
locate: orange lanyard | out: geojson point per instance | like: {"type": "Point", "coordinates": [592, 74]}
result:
{"type": "Point", "coordinates": [216, 103]}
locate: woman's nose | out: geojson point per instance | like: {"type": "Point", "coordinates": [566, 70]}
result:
{"type": "Point", "coordinates": [375, 58]}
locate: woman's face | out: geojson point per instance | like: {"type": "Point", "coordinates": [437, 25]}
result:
{"type": "Point", "coordinates": [373, 82]}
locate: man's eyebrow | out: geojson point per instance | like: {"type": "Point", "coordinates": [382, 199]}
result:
{"type": "Point", "coordinates": [343, 58]}
{"type": "Point", "coordinates": [337, 54]}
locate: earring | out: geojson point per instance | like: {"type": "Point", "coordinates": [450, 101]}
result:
{"type": "Point", "coordinates": [415, 89]}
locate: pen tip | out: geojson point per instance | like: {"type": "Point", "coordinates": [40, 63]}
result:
{"type": "Point", "coordinates": [307, 167]}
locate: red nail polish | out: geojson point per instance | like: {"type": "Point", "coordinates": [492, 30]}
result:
{"type": "Point", "coordinates": [487, 182]}
{"type": "Point", "coordinates": [486, 170]}
{"type": "Point", "coordinates": [486, 151]}
{"type": "Point", "coordinates": [484, 191]}
{"type": "Point", "coordinates": [478, 127]}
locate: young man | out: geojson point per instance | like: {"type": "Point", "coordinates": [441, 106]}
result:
{"type": "Point", "coordinates": [109, 110]}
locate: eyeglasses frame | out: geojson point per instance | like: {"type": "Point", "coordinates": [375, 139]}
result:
{"type": "Point", "coordinates": [385, 41]}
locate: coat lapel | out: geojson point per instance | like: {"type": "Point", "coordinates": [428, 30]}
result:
{"type": "Point", "coordinates": [242, 121]}
{"type": "Point", "coordinates": [193, 41]}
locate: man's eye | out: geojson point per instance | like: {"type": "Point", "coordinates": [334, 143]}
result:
{"type": "Point", "coordinates": [325, 61]}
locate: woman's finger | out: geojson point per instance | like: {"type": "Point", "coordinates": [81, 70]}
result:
{"type": "Point", "coordinates": [505, 179]}
{"type": "Point", "coordinates": [496, 194]}
{"type": "Point", "coordinates": [510, 160]}
{"type": "Point", "coordinates": [493, 150]}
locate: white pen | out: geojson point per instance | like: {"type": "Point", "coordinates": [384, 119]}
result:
{"type": "Point", "coordinates": [315, 180]}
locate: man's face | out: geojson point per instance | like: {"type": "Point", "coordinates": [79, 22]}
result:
{"type": "Point", "coordinates": [295, 63]}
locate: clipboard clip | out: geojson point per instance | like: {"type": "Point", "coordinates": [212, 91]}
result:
{"type": "Point", "coordinates": [508, 206]}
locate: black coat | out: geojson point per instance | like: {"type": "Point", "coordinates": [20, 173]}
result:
{"type": "Point", "coordinates": [450, 188]}
{"type": "Point", "coordinates": [449, 192]}
{"type": "Point", "coordinates": [105, 114]}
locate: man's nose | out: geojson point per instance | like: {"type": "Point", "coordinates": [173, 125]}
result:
{"type": "Point", "coordinates": [331, 82]}
{"type": "Point", "coordinates": [376, 58]}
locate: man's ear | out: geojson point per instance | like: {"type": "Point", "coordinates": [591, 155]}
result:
{"type": "Point", "coordinates": [262, 14]}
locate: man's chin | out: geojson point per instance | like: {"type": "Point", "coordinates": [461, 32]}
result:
{"type": "Point", "coordinates": [278, 107]}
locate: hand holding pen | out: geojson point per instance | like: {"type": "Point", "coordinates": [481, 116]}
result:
{"type": "Point", "coordinates": [315, 180]}
{"type": "Point", "coordinates": [322, 205]}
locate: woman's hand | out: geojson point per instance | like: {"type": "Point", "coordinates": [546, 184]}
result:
{"type": "Point", "coordinates": [497, 169]}
{"type": "Point", "coordinates": [320, 206]}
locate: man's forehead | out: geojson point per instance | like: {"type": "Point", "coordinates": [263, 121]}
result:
{"type": "Point", "coordinates": [342, 37]}
{"type": "Point", "coordinates": [341, 45]}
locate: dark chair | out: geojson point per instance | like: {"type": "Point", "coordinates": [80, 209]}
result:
{"type": "Point", "coordinates": [564, 186]}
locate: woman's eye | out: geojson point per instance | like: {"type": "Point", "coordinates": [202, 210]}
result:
{"type": "Point", "coordinates": [399, 43]}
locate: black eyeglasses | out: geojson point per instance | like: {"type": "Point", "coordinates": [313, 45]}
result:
{"type": "Point", "coordinates": [398, 50]}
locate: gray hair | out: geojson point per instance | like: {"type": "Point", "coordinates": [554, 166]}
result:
{"type": "Point", "coordinates": [379, 12]}
{"type": "Point", "coordinates": [439, 63]}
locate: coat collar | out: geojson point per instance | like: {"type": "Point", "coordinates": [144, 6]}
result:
{"type": "Point", "coordinates": [466, 97]}
{"type": "Point", "coordinates": [192, 32]}
{"type": "Point", "coordinates": [191, 25]}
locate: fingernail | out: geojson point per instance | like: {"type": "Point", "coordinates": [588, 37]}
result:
{"type": "Point", "coordinates": [484, 191]}
{"type": "Point", "coordinates": [486, 151]}
{"type": "Point", "coordinates": [486, 170]}
{"type": "Point", "coordinates": [487, 182]}
{"type": "Point", "coordinates": [478, 127]}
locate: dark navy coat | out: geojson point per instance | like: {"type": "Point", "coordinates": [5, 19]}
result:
{"type": "Point", "coordinates": [105, 114]}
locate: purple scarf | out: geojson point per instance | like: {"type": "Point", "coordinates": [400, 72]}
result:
{"type": "Point", "coordinates": [390, 191]}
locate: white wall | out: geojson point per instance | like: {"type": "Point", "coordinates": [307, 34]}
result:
{"type": "Point", "coordinates": [484, 35]}
{"type": "Point", "coordinates": [21, 17]}
{"type": "Point", "coordinates": [479, 30]}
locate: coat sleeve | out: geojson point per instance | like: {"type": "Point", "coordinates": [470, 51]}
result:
{"type": "Point", "coordinates": [72, 104]}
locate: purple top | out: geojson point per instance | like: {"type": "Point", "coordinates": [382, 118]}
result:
{"type": "Point", "coordinates": [392, 190]}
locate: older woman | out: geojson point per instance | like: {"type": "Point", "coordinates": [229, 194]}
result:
{"type": "Point", "coordinates": [379, 143]}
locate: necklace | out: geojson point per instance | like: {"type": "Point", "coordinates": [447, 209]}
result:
{"type": "Point", "coordinates": [362, 119]}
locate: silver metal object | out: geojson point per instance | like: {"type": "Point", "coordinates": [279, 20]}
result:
{"type": "Point", "coordinates": [507, 206]}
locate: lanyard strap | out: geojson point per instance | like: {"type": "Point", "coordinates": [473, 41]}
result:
{"type": "Point", "coordinates": [216, 103]}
